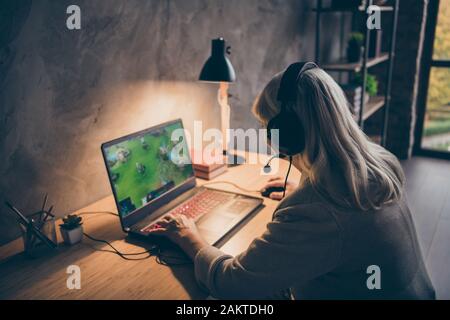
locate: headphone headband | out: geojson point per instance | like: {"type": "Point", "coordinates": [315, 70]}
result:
{"type": "Point", "coordinates": [287, 91]}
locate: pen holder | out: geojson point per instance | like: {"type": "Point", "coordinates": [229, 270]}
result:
{"type": "Point", "coordinates": [33, 246]}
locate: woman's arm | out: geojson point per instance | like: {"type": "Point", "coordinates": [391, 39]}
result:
{"type": "Point", "coordinates": [302, 243]}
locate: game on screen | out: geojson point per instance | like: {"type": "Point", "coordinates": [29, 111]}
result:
{"type": "Point", "coordinates": [146, 166]}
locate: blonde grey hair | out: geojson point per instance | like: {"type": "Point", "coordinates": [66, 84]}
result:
{"type": "Point", "coordinates": [339, 160]}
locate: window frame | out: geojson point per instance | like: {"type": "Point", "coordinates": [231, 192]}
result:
{"type": "Point", "coordinates": [427, 63]}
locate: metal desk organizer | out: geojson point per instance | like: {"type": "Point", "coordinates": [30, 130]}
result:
{"type": "Point", "coordinates": [38, 230]}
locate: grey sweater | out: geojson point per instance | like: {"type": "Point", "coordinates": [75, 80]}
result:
{"type": "Point", "coordinates": [320, 252]}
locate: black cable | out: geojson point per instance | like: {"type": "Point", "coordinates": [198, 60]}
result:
{"type": "Point", "coordinates": [158, 255]}
{"type": "Point", "coordinates": [120, 254]}
{"type": "Point", "coordinates": [151, 252]}
{"type": "Point", "coordinates": [106, 242]}
{"type": "Point", "coordinates": [287, 175]}
{"type": "Point", "coordinates": [285, 183]}
{"type": "Point", "coordinates": [230, 183]}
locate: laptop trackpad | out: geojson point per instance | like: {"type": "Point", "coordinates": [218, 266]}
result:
{"type": "Point", "coordinates": [215, 222]}
{"type": "Point", "coordinates": [222, 219]}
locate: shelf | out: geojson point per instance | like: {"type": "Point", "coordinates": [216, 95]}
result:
{"type": "Point", "coordinates": [374, 104]}
{"type": "Point", "coordinates": [382, 9]}
{"type": "Point", "coordinates": [357, 66]}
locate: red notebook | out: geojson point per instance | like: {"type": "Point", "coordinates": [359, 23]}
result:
{"type": "Point", "coordinates": [209, 163]}
{"type": "Point", "coordinates": [211, 174]}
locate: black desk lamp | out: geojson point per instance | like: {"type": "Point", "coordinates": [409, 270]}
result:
{"type": "Point", "coordinates": [218, 69]}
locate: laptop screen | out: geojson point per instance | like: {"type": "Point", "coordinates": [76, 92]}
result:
{"type": "Point", "coordinates": [144, 166]}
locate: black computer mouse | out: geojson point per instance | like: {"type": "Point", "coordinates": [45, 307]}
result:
{"type": "Point", "coordinates": [266, 193]}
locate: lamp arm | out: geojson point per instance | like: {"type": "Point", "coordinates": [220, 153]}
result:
{"type": "Point", "coordinates": [222, 97]}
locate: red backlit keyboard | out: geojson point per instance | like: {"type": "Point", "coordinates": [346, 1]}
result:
{"type": "Point", "coordinates": [202, 203]}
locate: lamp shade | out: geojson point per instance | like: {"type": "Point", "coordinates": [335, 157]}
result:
{"type": "Point", "coordinates": [218, 68]}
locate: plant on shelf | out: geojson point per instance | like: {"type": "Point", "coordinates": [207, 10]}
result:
{"type": "Point", "coordinates": [371, 83]}
{"type": "Point", "coordinates": [354, 47]}
{"type": "Point", "coordinates": [71, 229]}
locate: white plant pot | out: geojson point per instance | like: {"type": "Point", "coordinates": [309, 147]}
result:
{"type": "Point", "coordinates": [73, 236]}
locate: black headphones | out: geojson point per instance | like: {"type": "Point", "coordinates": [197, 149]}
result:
{"type": "Point", "coordinates": [290, 129]}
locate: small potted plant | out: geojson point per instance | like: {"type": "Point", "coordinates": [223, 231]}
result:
{"type": "Point", "coordinates": [371, 83]}
{"type": "Point", "coordinates": [71, 229]}
{"type": "Point", "coordinates": [353, 91]}
{"type": "Point", "coordinates": [354, 48]}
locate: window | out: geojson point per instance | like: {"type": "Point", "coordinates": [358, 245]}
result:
{"type": "Point", "coordinates": [435, 133]}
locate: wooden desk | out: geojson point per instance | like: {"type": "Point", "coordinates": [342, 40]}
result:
{"type": "Point", "coordinates": [107, 276]}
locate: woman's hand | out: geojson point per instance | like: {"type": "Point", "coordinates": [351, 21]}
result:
{"type": "Point", "coordinates": [183, 232]}
{"type": "Point", "coordinates": [279, 182]}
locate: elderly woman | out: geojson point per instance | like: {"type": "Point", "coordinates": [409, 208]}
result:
{"type": "Point", "coordinates": [346, 219]}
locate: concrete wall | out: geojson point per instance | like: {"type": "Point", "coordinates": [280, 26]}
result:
{"type": "Point", "coordinates": [133, 64]}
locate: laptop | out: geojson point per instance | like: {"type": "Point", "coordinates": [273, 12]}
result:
{"type": "Point", "coordinates": [151, 177]}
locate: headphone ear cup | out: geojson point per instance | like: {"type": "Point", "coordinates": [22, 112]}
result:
{"type": "Point", "coordinates": [291, 133]}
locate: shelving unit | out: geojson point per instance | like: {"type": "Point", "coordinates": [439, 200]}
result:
{"type": "Point", "coordinates": [355, 67]}
{"type": "Point", "coordinates": [367, 109]}
{"type": "Point", "coordinates": [373, 105]}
